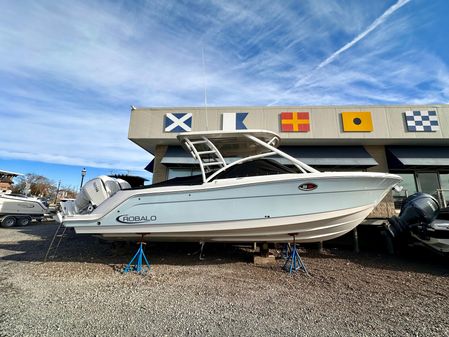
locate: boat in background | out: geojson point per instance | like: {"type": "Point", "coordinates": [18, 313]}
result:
{"type": "Point", "coordinates": [422, 219]}
{"type": "Point", "coordinates": [20, 209]}
{"type": "Point", "coordinates": [253, 198]}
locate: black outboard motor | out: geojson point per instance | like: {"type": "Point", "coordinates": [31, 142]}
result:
{"type": "Point", "coordinates": [418, 210]}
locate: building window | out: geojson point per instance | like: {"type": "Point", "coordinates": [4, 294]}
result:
{"type": "Point", "coordinates": [409, 187]}
{"type": "Point", "coordinates": [434, 183]}
{"type": "Point", "coordinates": [444, 191]}
{"type": "Point", "coordinates": [428, 183]}
{"type": "Point", "coordinates": [174, 172]}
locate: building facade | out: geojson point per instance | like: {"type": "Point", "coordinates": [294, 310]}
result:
{"type": "Point", "coordinates": [6, 180]}
{"type": "Point", "coordinates": [409, 140]}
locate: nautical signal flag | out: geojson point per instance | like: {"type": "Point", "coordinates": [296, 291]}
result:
{"type": "Point", "coordinates": [295, 122]}
{"type": "Point", "coordinates": [422, 121]}
{"type": "Point", "coordinates": [234, 121]}
{"type": "Point", "coordinates": [357, 121]}
{"type": "Point", "coordinates": [178, 122]}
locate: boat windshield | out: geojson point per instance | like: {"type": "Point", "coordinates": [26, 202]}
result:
{"type": "Point", "coordinates": [258, 167]}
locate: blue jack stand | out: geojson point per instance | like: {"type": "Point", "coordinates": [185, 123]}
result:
{"type": "Point", "coordinates": [294, 262]}
{"type": "Point", "coordinates": [140, 256]}
{"type": "Point", "coordinates": [286, 249]}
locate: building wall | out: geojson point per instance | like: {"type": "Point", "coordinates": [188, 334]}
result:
{"type": "Point", "coordinates": [326, 127]}
{"type": "Point", "coordinates": [5, 186]}
{"type": "Point", "coordinates": [6, 181]}
{"type": "Point", "coordinates": [385, 209]}
{"type": "Point", "coordinates": [159, 171]}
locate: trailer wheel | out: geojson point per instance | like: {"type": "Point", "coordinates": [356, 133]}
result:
{"type": "Point", "coordinates": [24, 221]}
{"type": "Point", "coordinates": [8, 221]}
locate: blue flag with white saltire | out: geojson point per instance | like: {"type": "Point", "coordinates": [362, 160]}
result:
{"type": "Point", "coordinates": [178, 122]}
{"type": "Point", "coordinates": [234, 121]}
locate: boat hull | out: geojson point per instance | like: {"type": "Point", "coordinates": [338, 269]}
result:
{"type": "Point", "coordinates": [307, 228]}
{"type": "Point", "coordinates": [13, 205]}
{"type": "Point", "coordinates": [242, 209]}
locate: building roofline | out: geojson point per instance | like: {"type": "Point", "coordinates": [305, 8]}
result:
{"type": "Point", "coordinates": [11, 173]}
{"type": "Point", "coordinates": [210, 107]}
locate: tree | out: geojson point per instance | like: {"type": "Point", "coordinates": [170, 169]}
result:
{"type": "Point", "coordinates": [34, 184]}
{"type": "Point", "coordinates": [69, 192]}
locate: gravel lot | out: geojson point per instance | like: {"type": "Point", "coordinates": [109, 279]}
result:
{"type": "Point", "coordinates": [82, 293]}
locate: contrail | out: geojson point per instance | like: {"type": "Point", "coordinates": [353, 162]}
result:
{"type": "Point", "coordinates": [381, 19]}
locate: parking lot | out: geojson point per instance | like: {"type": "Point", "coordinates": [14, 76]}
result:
{"type": "Point", "coordinates": [82, 291]}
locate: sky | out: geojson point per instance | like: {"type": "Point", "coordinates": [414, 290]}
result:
{"type": "Point", "coordinates": [70, 70]}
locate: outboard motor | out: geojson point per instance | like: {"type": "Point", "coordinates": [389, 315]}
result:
{"type": "Point", "coordinates": [417, 211]}
{"type": "Point", "coordinates": [93, 193]}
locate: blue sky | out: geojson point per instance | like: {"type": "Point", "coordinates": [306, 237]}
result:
{"type": "Point", "coordinates": [69, 70]}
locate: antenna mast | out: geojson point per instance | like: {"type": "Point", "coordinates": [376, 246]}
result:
{"type": "Point", "coordinates": [205, 87]}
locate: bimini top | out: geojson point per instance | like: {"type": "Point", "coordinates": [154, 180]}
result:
{"type": "Point", "coordinates": [211, 147]}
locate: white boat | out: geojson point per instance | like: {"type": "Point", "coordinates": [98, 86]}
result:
{"type": "Point", "coordinates": [20, 209]}
{"type": "Point", "coordinates": [251, 198]}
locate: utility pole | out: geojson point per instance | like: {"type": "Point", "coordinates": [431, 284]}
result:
{"type": "Point", "coordinates": [57, 191]}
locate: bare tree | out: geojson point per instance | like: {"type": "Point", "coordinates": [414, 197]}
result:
{"type": "Point", "coordinates": [34, 184]}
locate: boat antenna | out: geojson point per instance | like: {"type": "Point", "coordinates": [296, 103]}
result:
{"type": "Point", "coordinates": [205, 87]}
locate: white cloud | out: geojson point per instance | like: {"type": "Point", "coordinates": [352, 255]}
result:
{"type": "Point", "coordinates": [70, 70]}
{"type": "Point", "coordinates": [377, 22]}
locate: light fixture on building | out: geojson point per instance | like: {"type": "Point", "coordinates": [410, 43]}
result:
{"type": "Point", "coordinates": [83, 174]}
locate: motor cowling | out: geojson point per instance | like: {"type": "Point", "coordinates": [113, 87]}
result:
{"type": "Point", "coordinates": [419, 209]}
{"type": "Point", "coordinates": [93, 193]}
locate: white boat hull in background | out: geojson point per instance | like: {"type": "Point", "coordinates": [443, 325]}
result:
{"type": "Point", "coordinates": [15, 205]}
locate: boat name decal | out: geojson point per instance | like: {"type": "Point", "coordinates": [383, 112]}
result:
{"type": "Point", "coordinates": [307, 186]}
{"type": "Point", "coordinates": [26, 205]}
{"type": "Point", "coordinates": [125, 218]}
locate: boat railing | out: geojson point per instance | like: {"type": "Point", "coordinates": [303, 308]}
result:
{"type": "Point", "coordinates": [273, 141]}
{"type": "Point", "coordinates": [213, 155]}
{"type": "Point", "coordinates": [304, 168]}
{"type": "Point", "coordinates": [209, 156]}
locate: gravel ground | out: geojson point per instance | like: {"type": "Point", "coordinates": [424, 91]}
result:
{"type": "Point", "coordinates": [82, 292]}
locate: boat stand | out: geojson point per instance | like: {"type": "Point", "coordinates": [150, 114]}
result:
{"type": "Point", "coordinates": [286, 250]}
{"type": "Point", "coordinates": [200, 252]}
{"type": "Point", "coordinates": [294, 262]}
{"type": "Point", "coordinates": [140, 257]}
{"type": "Point", "coordinates": [201, 256]}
